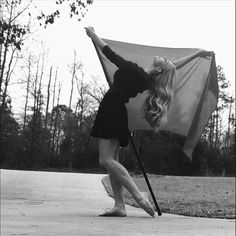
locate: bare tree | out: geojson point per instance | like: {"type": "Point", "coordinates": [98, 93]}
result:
{"type": "Point", "coordinates": [212, 131]}
{"type": "Point", "coordinates": [11, 39]}
{"type": "Point", "coordinates": [55, 138]}
{"type": "Point", "coordinates": [79, 111]}
{"type": "Point", "coordinates": [54, 96]}
{"type": "Point", "coordinates": [52, 132]}
{"type": "Point", "coordinates": [48, 97]}
{"type": "Point", "coordinates": [27, 91]}
{"type": "Point", "coordinates": [231, 121]}
{"type": "Point", "coordinates": [73, 70]}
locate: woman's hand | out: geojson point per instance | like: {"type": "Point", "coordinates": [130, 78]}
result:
{"type": "Point", "coordinates": [96, 40]}
{"type": "Point", "coordinates": [90, 31]}
{"type": "Point", "coordinates": [204, 53]}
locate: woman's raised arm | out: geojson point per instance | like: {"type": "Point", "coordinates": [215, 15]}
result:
{"type": "Point", "coordinates": [98, 41]}
{"type": "Point", "coordinates": [116, 59]}
{"type": "Point", "coordinates": [184, 60]}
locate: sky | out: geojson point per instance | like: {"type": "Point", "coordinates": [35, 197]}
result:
{"type": "Point", "coordinates": [178, 24]}
{"type": "Point", "coordinates": [194, 24]}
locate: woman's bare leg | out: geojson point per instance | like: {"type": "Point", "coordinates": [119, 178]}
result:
{"type": "Point", "coordinates": [117, 187]}
{"type": "Point", "coordinates": [118, 191]}
{"type": "Point", "coordinates": [107, 149]}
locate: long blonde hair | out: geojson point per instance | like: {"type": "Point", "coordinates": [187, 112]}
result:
{"type": "Point", "coordinates": [161, 92]}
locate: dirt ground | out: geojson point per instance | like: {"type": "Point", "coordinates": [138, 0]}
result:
{"type": "Point", "coordinates": [212, 197]}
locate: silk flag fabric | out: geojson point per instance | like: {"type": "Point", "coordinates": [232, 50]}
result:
{"type": "Point", "coordinates": [195, 91]}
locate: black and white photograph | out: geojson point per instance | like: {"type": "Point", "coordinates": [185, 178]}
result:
{"type": "Point", "coordinates": [117, 117]}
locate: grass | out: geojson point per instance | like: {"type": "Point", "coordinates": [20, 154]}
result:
{"type": "Point", "coordinates": [212, 197]}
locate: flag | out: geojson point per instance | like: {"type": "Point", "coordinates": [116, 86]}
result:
{"type": "Point", "coordinates": [195, 90]}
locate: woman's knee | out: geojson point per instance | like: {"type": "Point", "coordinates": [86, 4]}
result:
{"type": "Point", "coordinates": [103, 163]}
{"type": "Point", "coordinates": [107, 149]}
{"type": "Point", "coordinates": [107, 163]}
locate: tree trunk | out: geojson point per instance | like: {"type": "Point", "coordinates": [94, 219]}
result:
{"type": "Point", "coordinates": [228, 132]}
{"type": "Point", "coordinates": [27, 95]}
{"type": "Point", "coordinates": [57, 140]}
{"type": "Point", "coordinates": [72, 79]}
{"type": "Point", "coordinates": [54, 95]}
{"type": "Point", "coordinates": [5, 51]}
{"type": "Point", "coordinates": [48, 98]}
{"type": "Point", "coordinates": [7, 79]}
{"type": "Point", "coordinates": [50, 145]}
{"type": "Point", "coordinates": [55, 125]}
{"type": "Point", "coordinates": [217, 128]}
{"type": "Point", "coordinates": [39, 100]}
{"type": "Point", "coordinates": [36, 88]}
{"type": "Point", "coordinates": [80, 113]}
{"type": "Point", "coordinates": [35, 111]}
{"type": "Point", "coordinates": [26, 105]}
{"type": "Point", "coordinates": [211, 130]}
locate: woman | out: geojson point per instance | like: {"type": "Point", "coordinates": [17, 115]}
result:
{"type": "Point", "coordinates": [111, 123]}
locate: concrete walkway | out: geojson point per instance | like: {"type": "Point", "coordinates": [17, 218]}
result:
{"type": "Point", "coordinates": [68, 204]}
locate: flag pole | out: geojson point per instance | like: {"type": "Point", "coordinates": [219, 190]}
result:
{"type": "Point", "coordinates": [145, 175]}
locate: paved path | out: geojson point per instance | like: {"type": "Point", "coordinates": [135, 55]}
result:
{"type": "Point", "coordinates": [68, 204]}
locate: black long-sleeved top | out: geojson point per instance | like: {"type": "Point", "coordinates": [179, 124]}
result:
{"type": "Point", "coordinates": [129, 79]}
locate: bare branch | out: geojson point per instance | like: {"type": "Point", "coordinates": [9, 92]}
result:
{"type": "Point", "coordinates": [19, 13]}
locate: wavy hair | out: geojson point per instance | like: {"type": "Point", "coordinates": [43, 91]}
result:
{"type": "Point", "coordinates": [161, 92]}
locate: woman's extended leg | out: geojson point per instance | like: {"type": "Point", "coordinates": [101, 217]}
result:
{"type": "Point", "coordinates": [107, 149]}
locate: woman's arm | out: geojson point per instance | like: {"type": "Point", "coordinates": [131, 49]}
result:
{"type": "Point", "coordinates": [112, 56]}
{"type": "Point", "coordinates": [119, 61]}
{"type": "Point", "coordinates": [98, 41]}
{"type": "Point", "coordinates": [184, 60]}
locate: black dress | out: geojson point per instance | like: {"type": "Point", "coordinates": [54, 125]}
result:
{"type": "Point", "coordinates": [112, 121]}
